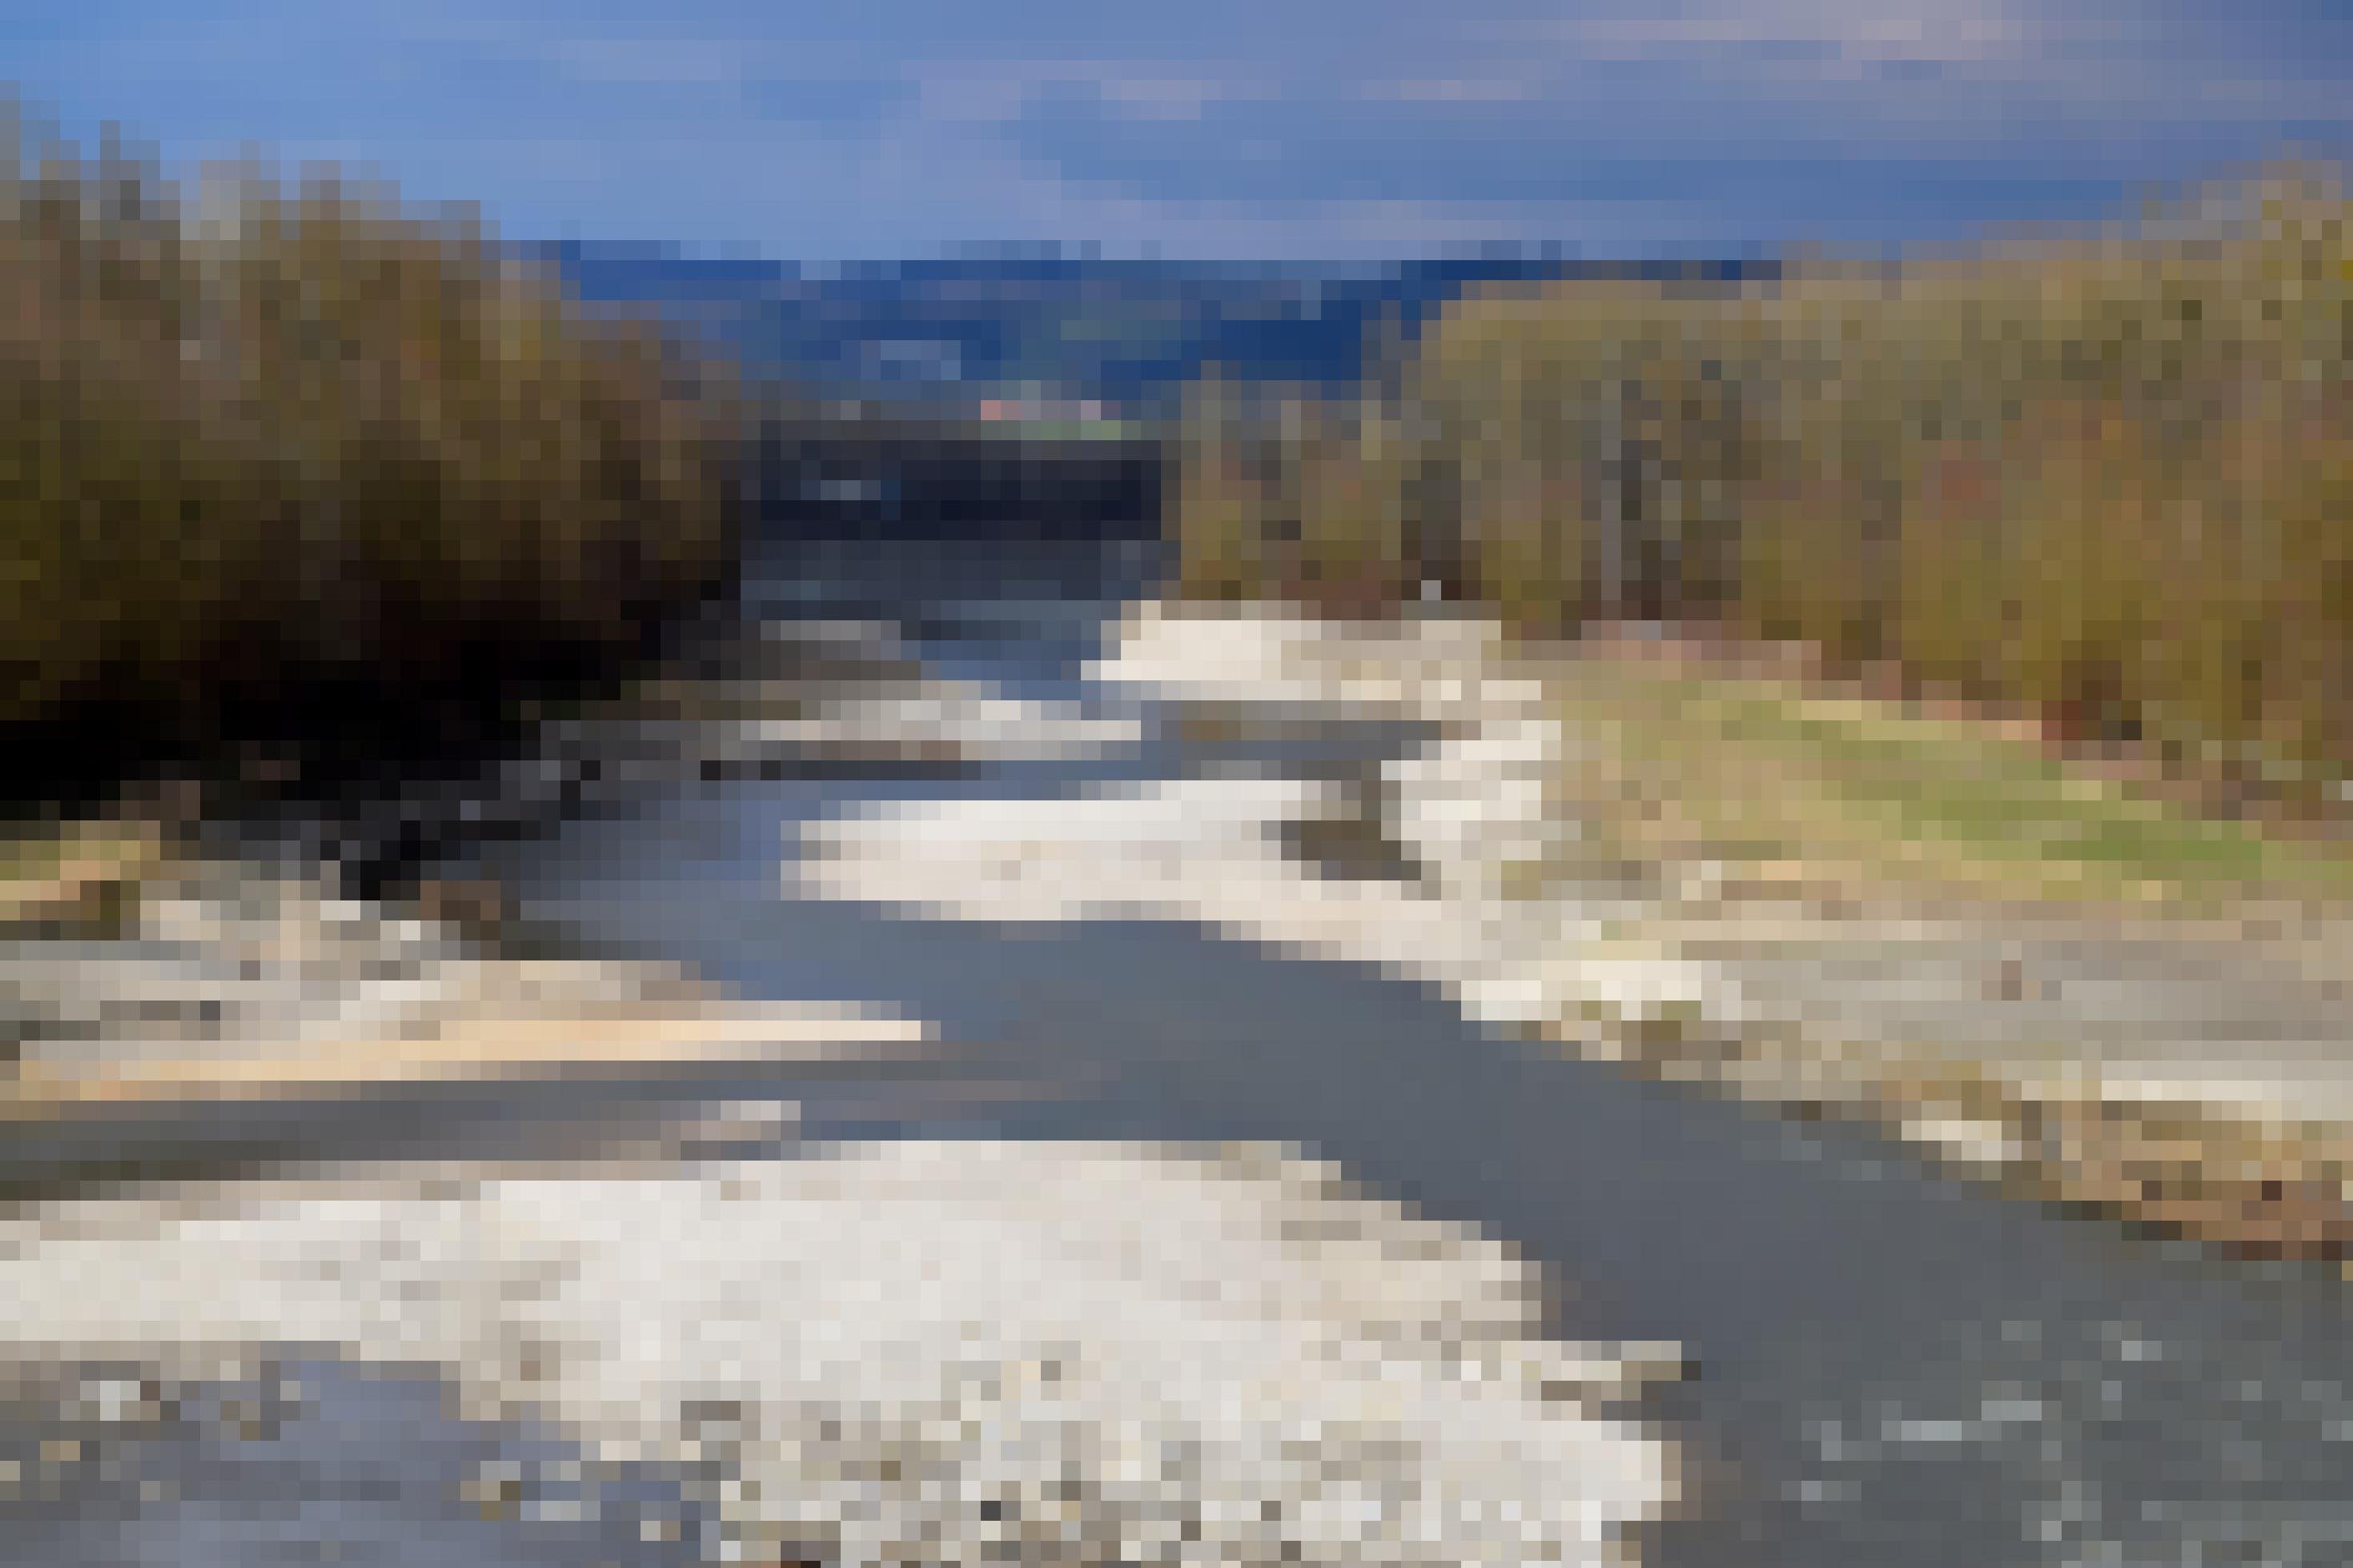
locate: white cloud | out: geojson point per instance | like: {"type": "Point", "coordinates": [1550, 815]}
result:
{"type": "Point", "coordinates": [998, 92]}
{"type": "Point", "coordinates": [1451, 90]}
{"type": "Point", "coordinates": [650, 61]}
{"type": "Point", "coordinates": [1162, 98]}
{"type": "Point", "coordinates": [1949, 32]}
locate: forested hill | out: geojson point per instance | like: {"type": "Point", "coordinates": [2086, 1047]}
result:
{"type": "Point", "coordinates": [1127, 333]}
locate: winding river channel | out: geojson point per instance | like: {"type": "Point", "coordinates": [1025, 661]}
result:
{"type": "Point", "coordinates": [1884, 1366]}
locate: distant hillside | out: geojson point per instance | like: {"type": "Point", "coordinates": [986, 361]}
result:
{"type": "Point", "coordinates": [1129, 333]}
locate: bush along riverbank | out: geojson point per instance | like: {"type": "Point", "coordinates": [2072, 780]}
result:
{"type": "Point", "coordinates": [1955, 658]}
{"type": "Point", "coordinates": [2103, 482]}
{"type": "Point", "coordinates": [1796, 896]}
{"type": "Point", "coordinates": [292, 468]}
{"type": "Point", "coordinates": [307, 494]}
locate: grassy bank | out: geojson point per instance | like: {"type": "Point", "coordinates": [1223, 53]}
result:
{"type": "Point", "coordinates": [2105, 481]}
{"type": "Point", "coordinates": [1792, 788]}
{"type": "Point", "coordinates": [294, 460]}
{"type": "Point", "coordinates": [1774, 888]}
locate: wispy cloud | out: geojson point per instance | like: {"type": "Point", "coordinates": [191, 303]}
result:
{"type": "Point", "coordinates": [1451, 90]}
{"type": "Point", "coordinates": [1306, 128]}
{"type": "Point", "coordinates": [999, 92]}
{"type": "Point", "coordinates": [650, 61]}
{"type": "Point", "coordinates": [1952, 32]}
{"type": "Point", "coordinates": [1163, 98]}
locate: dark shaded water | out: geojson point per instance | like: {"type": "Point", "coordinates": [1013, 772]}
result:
{"type": "Point", "coordinates": [1889, 1367]}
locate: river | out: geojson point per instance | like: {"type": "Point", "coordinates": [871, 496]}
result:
{"type": "Point", "coordinates": [1884, 1365]}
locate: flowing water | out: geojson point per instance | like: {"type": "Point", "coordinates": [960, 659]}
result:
{"type": "Point", "coordinates": [1885, 1366]}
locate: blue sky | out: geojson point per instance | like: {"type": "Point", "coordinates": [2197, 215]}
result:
{"type": "Point", "coordinates": [1333, 129]}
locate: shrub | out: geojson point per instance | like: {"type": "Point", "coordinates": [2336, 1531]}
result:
{"type": "Point", "coordinates": [2110, 476]}
{"type": "Point", "coordinates": [287, 438]}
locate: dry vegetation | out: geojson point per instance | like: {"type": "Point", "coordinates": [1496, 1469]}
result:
{"type": "Point", "coordinates": [2105, 481]}
{"type": "Point", "coordinates": [261, 443]}
{"type": "Point", "coordinates": [1788, 790]}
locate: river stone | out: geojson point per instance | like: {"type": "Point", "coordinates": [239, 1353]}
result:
{"type": "Point", "coordinates": [923, 1353]}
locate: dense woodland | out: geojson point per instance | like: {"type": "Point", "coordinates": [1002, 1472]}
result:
{"type": "Point", "coordinates": [264, 445]}
{"type": "Point", "coordinates": [262, 442]}
{"type": "Point", "coordinates": [2105, 478]}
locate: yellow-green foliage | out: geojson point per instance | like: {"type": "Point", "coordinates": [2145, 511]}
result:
{"type": "Point", "coordinates": [278, 433]}
{"type": "Point", "coordinates": [2110, 477]}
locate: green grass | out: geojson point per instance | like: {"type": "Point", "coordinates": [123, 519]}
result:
{"type": "Point", "coordinates": [1783, 786]}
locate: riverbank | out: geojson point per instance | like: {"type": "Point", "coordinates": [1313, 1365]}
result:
{"type": "Point", "coordinates": [909, 1352]}
{"type": "Point", "coordinates": [2027, 970]}
{"type": "Point", "coordinates": [2166, 1048]}
{"type": "Point", "coordinates": [906, 1350]}
{"type": "Point", "coordinates": [133, 975]}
